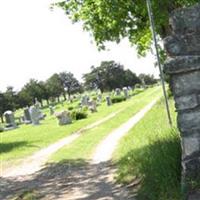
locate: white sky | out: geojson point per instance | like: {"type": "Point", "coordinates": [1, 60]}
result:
{"type": "Point", "coordinates": [36, 42]}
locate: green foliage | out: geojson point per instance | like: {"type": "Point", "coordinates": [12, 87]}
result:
{"type": "Point", "coordinates": [70, 84]}
{"type": "Point", "coordinates": [118, 99]}
{"type": "Point", "coordinates": [147, 79]}
{"type": "Point", "coordinates": [77, 115]}
{"type": "Point", "coordinates": [108, 76]}
{"type": "Point", "coordinates": [70, 108]}
{"type": "Point", "coordinates": [169, 92]}
{"type": "Point", "coordinates": [112, 20]}
{"type": "Point", "coordinates": [150, 154]}
{"type": "Point", "coordinates": [54, 86]}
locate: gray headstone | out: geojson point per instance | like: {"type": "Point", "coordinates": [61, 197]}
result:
{"type": "Point", "coordinates": [10, 119]}
{"type": "Point", "coordinates": [27, 116]}
{"type": "Point", "coordinates": [51, 109]}
{"type": "Point", "coordinates": [117, 91]}
{"type": "Point", "coordinates": [64, 118]}
{"type": "Point", "coordinates": [84, 100]}
{"type": "Point", "coordinates": [92, 106]}
{"type": "Point", "coordinates": [125, 90]}
{"type": "Point", "coordinates": [35, 115]}
{"type": "Point", "coordinates": [108, 101]}
{"type": "Point", "coordinates": [99, 98]}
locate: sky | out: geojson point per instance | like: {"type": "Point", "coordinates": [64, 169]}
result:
{"type": "Point", "coordinates": [36, 42]}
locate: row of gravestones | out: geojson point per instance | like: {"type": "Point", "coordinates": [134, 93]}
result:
{"type": "Point", "coordinates": [34, 115]}
{"type": "Point", "coordinates": [31, 115]}
{"type": "Point", "coordinates": [118, 92]}
{"type": "Point", "coordinates": [126, 91]}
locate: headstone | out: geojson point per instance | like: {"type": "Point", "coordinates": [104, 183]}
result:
{"type": "Point", "coordinates": [84, 100]}
{"type": "Point", "coordinates": [37, 103]}
{"type": "Point", "coordinates": [99, 98]}
{"type": "Point", "coordinates": [92, 106]}
{"type": "Point", "coordinates": [108, 101]}
{"type": "Point", "coordinates": [183, 46]}
{"type": "Point", "coordinates": [117, 91]}
{"type": "Point", "coordinates": [63, 118]}
{"type": "Point", "coordinates": [27, 116]}
{"type": "Point", "coordinates": [51, 110]}
{"type": "Point", "coordinates": [35, 115]}
{"type": "Point", "coordinates": [126, 94]}
{"type": "Point", "coordinates": [10, 119]}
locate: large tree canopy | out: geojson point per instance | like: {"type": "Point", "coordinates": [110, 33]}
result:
{"type": "Point", "coordinates": [112, 20]}
{"type": "Point", "coordinates": [108, 76]}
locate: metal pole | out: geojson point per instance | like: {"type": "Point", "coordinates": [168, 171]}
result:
{"type": "Point", "coordinates": [151, 18]}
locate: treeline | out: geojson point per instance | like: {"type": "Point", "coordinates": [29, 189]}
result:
{"type": "Point", "coordinates": [108, 76]}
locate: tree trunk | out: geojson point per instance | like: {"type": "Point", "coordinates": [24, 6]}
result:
{"type": "Point", "coordinates": [47, 101]}
{"type": "Point", "coordinates": [64, 95]}
{"type": "Point", "coordinates": [42, 105]}
{"type": "Point", "coordinates": [2, 121]}
{"type": "Point", "coordinates": [69, 98]}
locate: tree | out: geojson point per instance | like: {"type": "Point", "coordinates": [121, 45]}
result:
{"type": "Point", "coordinates": [30, 91]}
{"type": "Point", "coordinates": [147, 79]}
{"type": "Point", "coordinates": [3, 106]}
{"type": "Point", "coordinates": [54, 86]}
{"type": "Point", "coordinates": [70, 84]}
{"type": "Point", "coordinates": [108, 76]}
{"type": "Point", "coordinates": [112, 20]}
{"type": "Point", "coordinates": [46, 92]}
{"type": "Point", "coordinates": [10, 97]}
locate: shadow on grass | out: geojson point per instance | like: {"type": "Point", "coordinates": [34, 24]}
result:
{"type": "Point", "coordinates": [6, 147]}
{"type": "Point", "coordinates": [64, 179]}
{"type": "Point", "coordinates": [157, 166]}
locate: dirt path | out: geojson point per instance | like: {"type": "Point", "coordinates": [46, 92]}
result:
{"type": "Point", "coordinates": [35, 162]}
{"type": "Point", "coordinates": [67, 181]}
{"type": "Point", "coordinates": [105, 149]}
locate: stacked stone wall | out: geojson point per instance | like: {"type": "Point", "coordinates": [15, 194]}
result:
{"type": "Point", "coordinates": [183, 66]}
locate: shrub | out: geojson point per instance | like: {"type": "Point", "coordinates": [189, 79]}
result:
{"type": "Point", "coordinates": [77, 115]}
{"type": "Point", "coordinates": [94, 98]}
{"type": "Point", "coordinates": [85, 108]}
{"type": "Point", "coordinates": [169, 93]}
{"type": "Point", "coordinates": [70, 108]}
{"type": "Point", "coordinates": [117, 99]}
{"type": "Point", "coordinates": [137, 85]}
{"type": "Point", "coordinates": [138, 91]}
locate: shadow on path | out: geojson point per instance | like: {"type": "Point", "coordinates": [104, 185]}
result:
{"type": "Point", "coordinates": [70, 179]}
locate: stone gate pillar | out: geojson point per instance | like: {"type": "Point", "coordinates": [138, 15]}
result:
{"type": "Point", "coordinates": [183, 66]}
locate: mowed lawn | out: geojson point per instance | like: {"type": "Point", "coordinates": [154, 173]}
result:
{"type": "Point", "coordinates": [27, 139]}
{"type": "Point", "coordinates": [84, 146]}
{"type": "Point", "coordinates": [149, 157]}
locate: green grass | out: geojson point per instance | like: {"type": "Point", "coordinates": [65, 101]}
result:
{"type": "Point", "coordinates": [151, 155]}
{"type": "Point", "coordinates": [83, 147]}
{"type": "Point", "coordinates": [27, 139]}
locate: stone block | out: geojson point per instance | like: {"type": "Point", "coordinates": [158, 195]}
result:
{"type": "Point", "coordinates": [184, 21]}
{"type": "Point", "coordinates": [191, 146]}
{"type": "Point", "coordinates": [188, 121]}
{"type": "Point", "coordinates": [180, 45]}
{"type": "Point", "coordinates": [186, 102]}
{"type": "Point", "coordinates": [182, 64]}
{"type": "Point", "coordinates": [186, 84]}
{"type": "Point", "coordinates": [192, 169]}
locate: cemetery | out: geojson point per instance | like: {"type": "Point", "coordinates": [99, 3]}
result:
{"type": "Point", "coordinates": [58, 125]}
{"type": "Point", "coordinates": [114, 134]}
